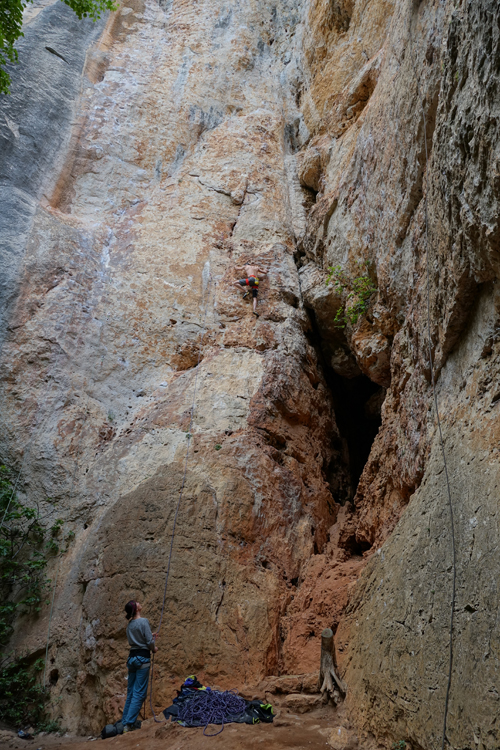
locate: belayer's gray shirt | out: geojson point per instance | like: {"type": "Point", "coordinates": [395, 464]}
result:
{"type": "Point", "coordinates": [139, 634]}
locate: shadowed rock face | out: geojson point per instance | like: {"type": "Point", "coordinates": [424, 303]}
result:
{"type": "Point", "coordinates": [370, 214]}
{"type": "Point", "coordinates": [199, 137]}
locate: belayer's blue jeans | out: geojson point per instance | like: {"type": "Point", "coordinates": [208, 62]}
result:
{"type": "Point", "coordinates": [137, 688]}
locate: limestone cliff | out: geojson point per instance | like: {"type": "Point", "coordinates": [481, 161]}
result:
{"type": "Point", "coordinates": [173, 143]}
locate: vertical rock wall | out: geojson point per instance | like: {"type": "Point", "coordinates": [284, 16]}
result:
{"type": "Point", "coordinates": [199, 136]}
{"type": "Point", "coordinates": [176, 170]}
{"type": "Point", "coordinates": [370, 162]}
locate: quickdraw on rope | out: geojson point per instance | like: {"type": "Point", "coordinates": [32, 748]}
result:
{"type": "Point", "coordinates": [433, 381]}
{"type": "Point", "coordinates": [181, 492]}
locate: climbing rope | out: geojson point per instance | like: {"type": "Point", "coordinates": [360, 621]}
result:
{"type": "Point", "coordinates": [434, 392]}
{"type": "Point", "coordinates": [70, 495]}
{"type": "Point", "coordinates": [181, 491]}
{"type": "Point", "coordinates": [211, 707]}
{"type": "Point", "coordinates": [33, 431]}
{"type": "Point", "coordinates": [153, 59]}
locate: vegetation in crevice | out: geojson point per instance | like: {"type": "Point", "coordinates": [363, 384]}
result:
{"type": "Point", "coordinates": [356, 293]}
{"type": "Point", "coordinates": [28, 540]}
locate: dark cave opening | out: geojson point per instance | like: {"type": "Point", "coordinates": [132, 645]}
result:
{"type": "Point", "coordinates": [54, 676]}
{"type": "Point", "coordinates": [357, 403]}
{"type": "Point", "coordinates": [355, 548]}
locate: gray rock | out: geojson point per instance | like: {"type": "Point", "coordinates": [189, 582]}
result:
{"type": "Point", "coordinates": [35, 126]}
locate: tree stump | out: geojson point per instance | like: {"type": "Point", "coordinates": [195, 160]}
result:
{"type": "Point", "coordinates": [331, 686]}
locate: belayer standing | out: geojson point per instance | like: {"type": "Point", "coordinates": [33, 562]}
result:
{"type": "Point", "coordinates": [142, 644]}
{"type": "Point", "coordinates": [251, 281]}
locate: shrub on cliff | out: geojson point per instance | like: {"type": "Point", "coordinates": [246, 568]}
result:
{"type": "Point", "coordinates": [27, 541]}
{"type": "Point", "coordinates": [355, 291]}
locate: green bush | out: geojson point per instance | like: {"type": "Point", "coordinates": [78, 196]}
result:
{"type": "Point", "coordinates": [356, 292]}
{"type": "Point", "coordinates": [23, 699]}
{"type": "Point", "coordinates": [27, 541]}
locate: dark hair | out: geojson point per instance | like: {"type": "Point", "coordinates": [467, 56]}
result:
{"type": "Point", "coordinates": [131, 609]}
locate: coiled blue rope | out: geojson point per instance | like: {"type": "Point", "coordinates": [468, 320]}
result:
{"type": "Point", "coordinates": [211, 707]}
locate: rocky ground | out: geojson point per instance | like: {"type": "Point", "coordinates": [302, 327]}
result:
{"type": "Point", "coordinates": [310, 732]}
{"type": "Point", "coordinates": [301, 721]}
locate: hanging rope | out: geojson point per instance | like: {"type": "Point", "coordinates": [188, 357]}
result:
{"type": "Point", "coordinates": [33, 431]}
{"type": "Point", "coordinates": [70, 495]}
{"type": "Point", "coordinates": [434, 392]}
{"type": "Point", "coordinates": [181, 492]}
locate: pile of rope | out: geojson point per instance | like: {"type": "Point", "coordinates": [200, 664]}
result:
{"type": "Point", "coordinates": [211, 707]}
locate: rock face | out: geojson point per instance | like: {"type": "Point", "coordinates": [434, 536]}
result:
{"type": "Point", "coordinates": [370, 213]}
{"type": "Point", "coordinates": [34, 129]}
{"type": "Point", "coordinates": [352, 149]}
{"type": "Point", "coordinates": [129, 342]}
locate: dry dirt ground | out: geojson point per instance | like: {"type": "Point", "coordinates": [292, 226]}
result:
{"type": "Point", "coordinates": [321, 728]}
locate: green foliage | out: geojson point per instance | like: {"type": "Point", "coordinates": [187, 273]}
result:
{"type": "Point", "coordinates": [27, 541]}
{"type": "Point", "coordinates": [11, 21]}
{"type": "Point", "coordinates": [399, 745]}
{"type": "Point", "coordinates": [356, 292]}
{"type": "Point", "coordinates": [218, 447]}
{"type": "Point", "coordinates": [23, 698]}
{"type": "Point", "coordinates": [24, 542]}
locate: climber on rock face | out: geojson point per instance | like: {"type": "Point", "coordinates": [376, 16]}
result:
{"type": "Point", "coordinates": [142, 644]}
{"type": "Point", "coordinates": [252, 274]}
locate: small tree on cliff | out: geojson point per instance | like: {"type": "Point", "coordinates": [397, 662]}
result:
{"type": "Point", "coordinates": [11, 21]}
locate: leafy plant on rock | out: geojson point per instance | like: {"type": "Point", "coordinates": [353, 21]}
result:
{"type": "Point", "coordinates": [11, 22]}
{"type": "Point", "coordinates": [27, 541]}
{"type": "Point", "coordinates": [23, 698]}
{"type": "Point", "coordinates": [356, 291]}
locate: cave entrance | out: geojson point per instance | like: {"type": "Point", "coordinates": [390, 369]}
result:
{"type": "Point", "coordinates": [357, 403]}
